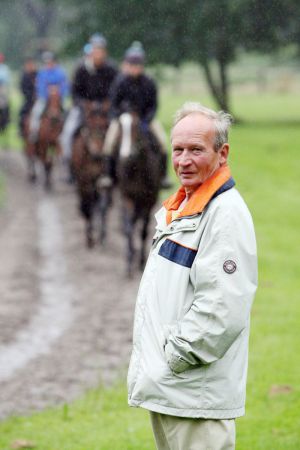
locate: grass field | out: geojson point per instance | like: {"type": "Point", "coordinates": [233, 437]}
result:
{"type": "Point", "coordinates": [265, 164]}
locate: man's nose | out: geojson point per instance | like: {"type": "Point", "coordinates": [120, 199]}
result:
{"type": "Point", "coordinates": [185, 158]}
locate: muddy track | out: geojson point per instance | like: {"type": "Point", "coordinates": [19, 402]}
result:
{"type": "Point", "coordinates": [65, 312]}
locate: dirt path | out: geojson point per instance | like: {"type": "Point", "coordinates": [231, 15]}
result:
{"type": "Point", "coordinates": [65, 312]}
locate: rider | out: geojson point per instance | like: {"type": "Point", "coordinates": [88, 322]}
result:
{"type": "Point", "coordinates": [4, 87]}
{"type": "Point", "coordinates": [27, 86]}
{"type": "Point", "coordinates": [138, 91]}
{"type": "Point", "coordinates": [92, 81]}
{"type": "Point", "coordinates": [51, 74]}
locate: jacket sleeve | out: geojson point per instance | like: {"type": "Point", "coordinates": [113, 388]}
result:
{"type": "Point", "coordinates": [117, 90]}
{"type": "Point", "coordinates": [64, 84]}
{"type": "Point", "coordinates": [78, 87]}
{"type": "Point", "coordinates": [151, 102]}
{"type": "Point", "coordinates": [41, 85]}
{"type": "Point", "coordinates": [224, 277]}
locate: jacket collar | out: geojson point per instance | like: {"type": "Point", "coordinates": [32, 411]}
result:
{"type": "Point", "coordinates": [219, 182]}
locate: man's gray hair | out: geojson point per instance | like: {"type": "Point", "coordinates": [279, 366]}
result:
{"type": "Point", "coordinates": [221, 119]}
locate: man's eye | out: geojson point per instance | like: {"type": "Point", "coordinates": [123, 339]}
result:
{"type": "Point", "coordinates": [177, 150]}
{"type": "Point", "coordinates": [197, 150]}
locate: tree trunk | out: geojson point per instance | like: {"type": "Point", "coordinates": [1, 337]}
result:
{"type": "Point", "coordinates": [219, 86]}
{"type": "Point", "coordinates": [42, 16]}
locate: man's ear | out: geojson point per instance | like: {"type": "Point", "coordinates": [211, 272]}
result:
{"type": "Point", "coordinates": [223, 154]}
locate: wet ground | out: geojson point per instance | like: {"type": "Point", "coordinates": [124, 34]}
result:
{"type": "Point", "coordinates": [65, 312]}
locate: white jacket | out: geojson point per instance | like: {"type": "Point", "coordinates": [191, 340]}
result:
{"type": "Point", "coordinates": [191, 330]}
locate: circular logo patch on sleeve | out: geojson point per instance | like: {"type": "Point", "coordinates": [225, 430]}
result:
{"type": "Point", "coordinates": [229, 266]}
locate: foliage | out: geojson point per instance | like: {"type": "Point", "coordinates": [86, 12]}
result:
{"type": "Point", "coordinates": [207, 31]}
{"type": "Point", "coordinates": [210, 32]}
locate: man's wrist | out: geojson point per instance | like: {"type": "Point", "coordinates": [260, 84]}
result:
{"type": "Point", "coordinates": [176, 363]}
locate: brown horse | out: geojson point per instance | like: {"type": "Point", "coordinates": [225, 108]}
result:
{"type": "Point", "coordinates": [139, 172]}
{"type": "Point", "coordinates": [87, 167]}
{"type": "Point", "coordinates": [29, 147]}
{"type": "Point", "coordinates": [47, 145]}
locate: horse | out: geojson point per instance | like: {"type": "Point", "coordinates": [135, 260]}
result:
{"type": "Point", "coordinates": [139, 174]}
{"type": "Point", "coordinates": [47, 145]}
{"type": "Point", "coordinates": [87, 168]}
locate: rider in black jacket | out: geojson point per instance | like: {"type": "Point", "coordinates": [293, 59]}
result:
{"type": "Point", "coordinates": [92, 81]}
{"type": "Point", "coordinates": [134, 90]}
{"type": "Point", "coordinates": [27, 87]}
{"type": "Point", "coordinates": [139, 92]}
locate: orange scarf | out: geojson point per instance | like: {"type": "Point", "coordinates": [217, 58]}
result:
{"type": "Point", "coordinates": [199, 198]}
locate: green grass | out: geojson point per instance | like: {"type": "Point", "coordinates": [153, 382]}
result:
{"type": "Point", "coordinates": [99, 421]}
{"type": "Point", "coordinates": [10, 138]}
{"type": "Point", "coordinates": [265, 164]}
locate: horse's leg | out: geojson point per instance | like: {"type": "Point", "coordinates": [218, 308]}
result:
{"type": "Point", "coordinates": [144, 235]}
{"type": "Point", "coordinates": [48, 164]}
{"type": "Point", "coordinates": [130, 219]}
{"type": "Point", "coordinates": [86, 207]}
{"type": "Point", "coordinates": [105, 201]}
{"type": "Point", "coordinates": [30, 156]}
{"type": "Point", "coordinates": [103, 213]}
{"type": "Point", "coordinates": [47, 167]}
{"type": "Point", "coordinates": [31, 169]}
{"type": "Point", "coordinates": [89, 233]}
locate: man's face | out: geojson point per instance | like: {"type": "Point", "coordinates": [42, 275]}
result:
{"type": "Point", "coordinates": [134, 70]}
{"type": "Point", "coordinates": [98, 55]}
{"type": "Point", "coordinates": [30, 66]}
{"type": "Point", "coordinates": [50, 63]}
{"type": "Point", "coordinates": [193, 154]}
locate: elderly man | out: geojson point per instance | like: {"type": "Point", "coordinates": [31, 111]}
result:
{"type": "Point", "coordinates": [189, 359]}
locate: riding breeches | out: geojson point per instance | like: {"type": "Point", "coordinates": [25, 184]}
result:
{"type": "Point", "coordinates": [113, 132]}
{"type": "Point", "coordinates": [35, 117]}
{"type": "Point", "coordinates": [72, 122]}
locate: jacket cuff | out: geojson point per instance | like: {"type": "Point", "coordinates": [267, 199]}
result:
{"type": "Point", "coordinates": [176, 363]}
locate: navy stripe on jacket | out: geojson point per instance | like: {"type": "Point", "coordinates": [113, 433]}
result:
{"type": "Point", "coordinates": [177, 253]}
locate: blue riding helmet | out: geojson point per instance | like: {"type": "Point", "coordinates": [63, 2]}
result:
{"type": "Point", "coordinates": [48, 56]}
{"type": "Point", "coordinates": [135, 54]}
{"type": "Point", "coordinates": [98, 40]}
{"type": "Point", "coordinates": [87, 49]}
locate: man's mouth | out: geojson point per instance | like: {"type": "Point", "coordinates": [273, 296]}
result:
{"type": "Point", "coordinates": [186, 173]}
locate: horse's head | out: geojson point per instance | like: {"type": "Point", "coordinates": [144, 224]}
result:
{"type": "Point", "coordinates": [96, 116]}
{"type": "Point", "coordinates": [95, 126]}
{"type": "Point", "coordinates": [54, 97]}
{"type": "Point", "coordinates": [130, 134]}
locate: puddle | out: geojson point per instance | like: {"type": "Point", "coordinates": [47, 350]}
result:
{"type": "Point", "coordinates": [54, 313]}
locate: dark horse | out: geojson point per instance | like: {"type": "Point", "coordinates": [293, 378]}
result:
{"type": "Point", "coordinates": [47, 145]}
{"type": "Point", "coordinates": [139, 173]}
{"type": "Point", "coordinates": [87, 167]}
